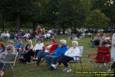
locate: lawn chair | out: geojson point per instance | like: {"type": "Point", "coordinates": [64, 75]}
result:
{"type": "Point", "coordinates": [101, 59]}
{"type": "Point", "coordinates": [73, 63]}
{"type": "Point", "coordinates": [10, 62]}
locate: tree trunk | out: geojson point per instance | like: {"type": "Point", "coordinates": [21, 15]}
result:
{"type": "Point", "coordinates": [2, 22]}
{"type": "Point", "coordinates": [34, 25]}
{"type": "Point", "coordinates": [63, 28]}
{"type": "Point", "coordinates": [18, 23]}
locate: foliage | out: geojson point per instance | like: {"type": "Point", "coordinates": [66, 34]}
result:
{"type": "Point", "coordinates": [63, 13]}
{"type": "Point", "coordinates": [97, 19]}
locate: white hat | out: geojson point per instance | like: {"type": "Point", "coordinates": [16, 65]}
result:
{"type": "Point", "coordinates": [75, 42]}
{"type": "Point", "coordinates": [63, 41]}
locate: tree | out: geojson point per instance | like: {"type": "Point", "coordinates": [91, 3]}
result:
{"type": "Point", "coordinates": [107, 7]}
{"type": "Point", "coordinates": [97, 19]}
{"type": "Point", "coordinates": [16, 10]}
{"type": "Point", "coordinates": [70, 14]}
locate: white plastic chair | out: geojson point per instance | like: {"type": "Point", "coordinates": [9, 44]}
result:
{"type": "Point", "coordinates": [78, 60]}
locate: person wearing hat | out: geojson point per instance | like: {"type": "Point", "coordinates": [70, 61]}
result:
{"type": "Point", "coordinates": [11, 44]}
{"type": "Point", "coordinates": [73, 53]}
{"type": "Point", "coordinates": [59, 52]}
{"type": "Point", "coordinates": [8, 55]}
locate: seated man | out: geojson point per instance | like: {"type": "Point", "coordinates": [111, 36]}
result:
{"type": "Point", "coordinates": [49, 49]}
{"type": "Point", "coordinates": [59, 52]}
{"type": "Point", "coordinates": [38, 47]}
{"type": "Point", "coordinates": [72, 53]}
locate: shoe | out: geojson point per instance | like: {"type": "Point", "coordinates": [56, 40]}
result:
{"type": "Point", "coordinates": [51, 68]}
{"type": "Point", "coordinates": [69, 70]}
{"type": "Point", "coordinates": [65, 69]}
{"type": "Point", "coordinates": [54, 66]}
{"type": "Point", "coordinates": [1, 73]}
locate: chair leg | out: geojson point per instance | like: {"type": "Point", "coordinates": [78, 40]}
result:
{"type": "Point", "coordinates": [81, 66]}
{"type": "Point", "coordinates": [12, 68]}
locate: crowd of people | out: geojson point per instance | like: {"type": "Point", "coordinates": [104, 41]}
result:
{"type": "Point", "coordinates": [53, 53]}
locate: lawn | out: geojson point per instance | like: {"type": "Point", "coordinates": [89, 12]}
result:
{"type": "Point", "coordinates": [31, 70]}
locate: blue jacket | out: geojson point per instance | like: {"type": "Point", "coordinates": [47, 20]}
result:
{"type": "Point", "coordinates": [60, 51]}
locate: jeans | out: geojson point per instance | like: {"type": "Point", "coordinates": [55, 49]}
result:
{"type": "Point", "coordinates": [36, 53]}
{"type": "Point", "coordinates": [41, 55]}
{"type": "Point", "coordinates": [51, 59]}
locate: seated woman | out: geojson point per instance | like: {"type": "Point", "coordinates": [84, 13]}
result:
{"type": "Point", "coordinates": [8, 55]}
{"type": "Point", "coordinates": [52, 59]}
{"type": "Point", "coordinates": [28, 54]}
{"type": "Point", "coordinates": [49, 49]}
{"type": "Point", "coordinates": [72, 53]}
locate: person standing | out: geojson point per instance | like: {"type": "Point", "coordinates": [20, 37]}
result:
{"type": "Point", "coordinates": [113, 48]}
{"type": "Point", "coordinates": [113, 53]}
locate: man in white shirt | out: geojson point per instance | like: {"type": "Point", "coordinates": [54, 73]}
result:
{"type": "Point", "coordinates": [38, 47]}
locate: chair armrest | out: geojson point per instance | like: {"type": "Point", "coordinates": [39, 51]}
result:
{"type": "Point", "coordinates": [7, 62]}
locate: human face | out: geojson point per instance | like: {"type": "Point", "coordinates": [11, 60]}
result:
{"type": "Point", "coordinates": [74, 45]}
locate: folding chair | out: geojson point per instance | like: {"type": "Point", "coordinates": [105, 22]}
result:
{"type": "Point", "coordinates": [78, 61]}
{"type": "Point", "coordinates": [10, 62]}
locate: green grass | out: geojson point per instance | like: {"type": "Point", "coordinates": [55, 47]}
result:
{"type": "Point", "coordinates": [31, 70]}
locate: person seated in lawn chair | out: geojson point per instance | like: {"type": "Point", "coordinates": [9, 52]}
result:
{"type": "Point", "coordinates": [8, 55]}
{"type": "Point", "coordinates": [73, 53]}
{"type": "Point", "coordinates": [28, 53]}
{"type": "Point", "coordinates": [52, 59]}
{"type": "Point", "coordinates": [49, 49]}
{"type": "Point", "coordinates": [39, 47]}
{"type": "Point", "coordinates": [11, 43]}
{"type": "Point", "coordinates": [19, 46]}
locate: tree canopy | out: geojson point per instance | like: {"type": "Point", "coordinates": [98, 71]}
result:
{"type": "Point", "coordinates": [63, 13]}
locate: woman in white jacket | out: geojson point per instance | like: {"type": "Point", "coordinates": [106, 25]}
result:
{"type": "Point", "coordinates": [72, 53]}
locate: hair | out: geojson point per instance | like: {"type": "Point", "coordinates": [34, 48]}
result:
{"type": "Point", "coordinates": [63, 41]}
{"type": "Point", "coordinates": [11, 41]}
{"type": "Point", "coordinates": [75, 42]}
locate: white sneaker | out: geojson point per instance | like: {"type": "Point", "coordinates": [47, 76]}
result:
{"type": "Point", "coordinates": [69, 70]}
{"type": "Point", "coordinates": [65, 69]}
{"type": "Point", "coordinates": [54, 66]}
{"type": "Point", "coordinates": [109, 70]}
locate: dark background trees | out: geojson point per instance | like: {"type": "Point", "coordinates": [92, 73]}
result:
{"type": "Point", "coordinates": [60, 13]}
